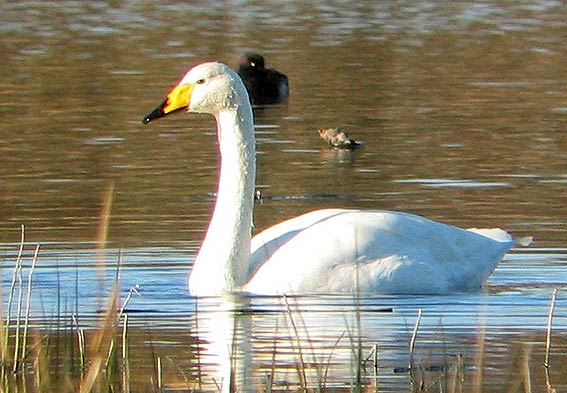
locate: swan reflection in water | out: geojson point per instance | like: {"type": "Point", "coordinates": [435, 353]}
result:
{"type": "Point", "coordinates": [337, 342]}
{"type": "Point", "coordinates": [223, 330]}
{"type": "Point", "coordinates": [250, 343]}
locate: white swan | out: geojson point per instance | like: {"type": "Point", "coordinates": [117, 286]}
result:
{"type": "Point", "coordinates": [324, 251]}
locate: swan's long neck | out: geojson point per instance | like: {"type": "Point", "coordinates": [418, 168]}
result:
{"type": "Point", "coordinates": [222, 262]}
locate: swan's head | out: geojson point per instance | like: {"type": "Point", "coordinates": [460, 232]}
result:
{"type": "Point", "coordinates": [206, 88]}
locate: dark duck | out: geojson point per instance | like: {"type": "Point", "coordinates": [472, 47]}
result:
{"type": "Point", "coordinates": [265, 85]}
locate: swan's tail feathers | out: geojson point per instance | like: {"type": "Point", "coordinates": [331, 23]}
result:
{"type": "Point", "coordinates": [502, 236]}
{"type": "Point", "coordinates": [497, 234]}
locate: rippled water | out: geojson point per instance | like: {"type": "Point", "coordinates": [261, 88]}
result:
{"type": "Point", "coordinates": [461, 107]}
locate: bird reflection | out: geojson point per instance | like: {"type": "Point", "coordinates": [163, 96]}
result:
{"type": "Point", "coordinates": [223, 328]}
{"type": "Point", "coordinates": [252, 343]}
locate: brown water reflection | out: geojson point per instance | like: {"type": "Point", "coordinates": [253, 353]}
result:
{"type": "Point", "coordinates": [453, 92]}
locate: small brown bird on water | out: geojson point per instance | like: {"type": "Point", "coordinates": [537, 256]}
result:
{"type": "Point", "coordinates": [335, 137]}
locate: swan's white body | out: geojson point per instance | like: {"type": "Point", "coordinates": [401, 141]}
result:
{"type": "Point", "coordinates": [324, 251]}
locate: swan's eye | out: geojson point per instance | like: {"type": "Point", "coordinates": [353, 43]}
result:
{"type": "Point", "coordinates": [200, 81]}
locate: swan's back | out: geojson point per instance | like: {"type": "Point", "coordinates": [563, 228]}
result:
{"type": "Point", "coordinates": [372, 251]}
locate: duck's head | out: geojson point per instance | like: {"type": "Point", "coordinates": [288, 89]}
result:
{"type": "Point", "coordinates": [253, 60]}
{"type": "Point", "coordinates": [206, 88]}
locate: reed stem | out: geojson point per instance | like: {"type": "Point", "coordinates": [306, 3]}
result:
{"type": "Point", "coordinates": [81, 345]}
{"type": "Point", "coordinates": [413, 338]}
{"type": "Point", "coordinates": [28, 303]}
{"type": "Point", "coordinates": [549, 325]}
{"type": "Point", "coordinates": [301, 372]}
{"type": "Point", "coordinates": [125, 357]}
{"type": "Point", "coordinates": [159, 374]}
{"type": "Point", "coordinates": [8, 323]}
{"type": "Point", "coordinates": [16, 359]}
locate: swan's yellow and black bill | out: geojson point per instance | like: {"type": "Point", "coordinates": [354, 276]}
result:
{"type": "Point", "coordinates": [177, 99]}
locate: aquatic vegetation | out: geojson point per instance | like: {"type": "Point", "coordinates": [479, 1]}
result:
{"type": "Point", "coordinates": [82, 353]}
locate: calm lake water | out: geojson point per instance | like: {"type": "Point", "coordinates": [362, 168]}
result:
{"type": "Point", "coordinates": [462, 108]}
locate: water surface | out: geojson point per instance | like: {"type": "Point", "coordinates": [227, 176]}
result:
{"type": "Point", "coordinates": [462, 109]}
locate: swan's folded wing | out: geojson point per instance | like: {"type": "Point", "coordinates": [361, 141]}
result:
{"type": "Point", "coordinates": [267, 242]}
{"type": "Point", "coordinates": [395, 253]}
